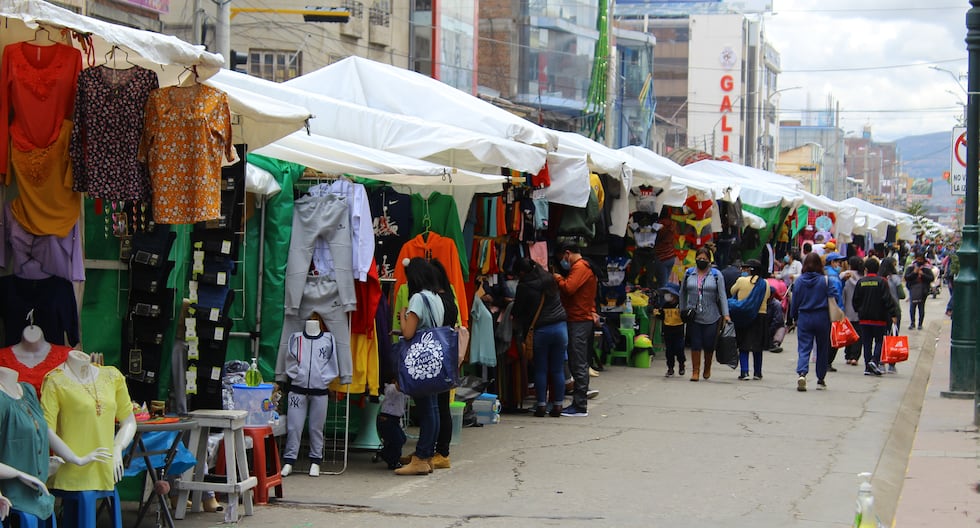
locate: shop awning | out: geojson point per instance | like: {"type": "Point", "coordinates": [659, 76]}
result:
{"type": "Point", "coordinates": [400, 91]}
{"type": "Point", "coordinates": [409, 136]}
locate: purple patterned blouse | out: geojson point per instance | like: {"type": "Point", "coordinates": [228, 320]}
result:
{"type": "Point", "coordinates": [109, 108]}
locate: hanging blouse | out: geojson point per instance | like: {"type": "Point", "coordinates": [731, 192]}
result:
{"type": "Point", "coordinates": [84, 415]}
{"type": "Point", "coordinates": [34, 375]}
{"type": "Point", "coordinates": [37, 92]}
{"type": "Point", "coordinates": [187, 131]}
{"type": "Point", "coordinates": [39, 257]}
{"type": "Point", "coordinates": [24, 446]}
{"type": "Point", "coordinates": [107, 129]}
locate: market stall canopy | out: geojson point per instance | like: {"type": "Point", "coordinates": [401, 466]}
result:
{"type": "Point", "coordinates": [145, 48]}
{"type": "Point", "coordinates": [262, 119]}
{"type": "Point", "coordinates": [869, 223]}
{"type": "Point", "coordinates": [745, 173]}
{"type": "Point", "coordinates": [682, 180]}
{"type": "Point", "coordinates": [902, 221]}
{"type": "Point", "coordinates": [400, 91]}
{"type": "Point", "coordinates": [759, 188]}
{"type": "Point", "coordinates": [401, 134]}
{"type": "Point", "coordinates": [845, 213]}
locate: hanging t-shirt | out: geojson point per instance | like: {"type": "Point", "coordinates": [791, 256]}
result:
{"type": "Point", "coordinates": [188, 130]}
{"type": "Point", "coordinates": [84, 415]}
{"type": "Point", "coordinates": [108, 125]}
{"type": "Point", "coordinates": [392, 218]}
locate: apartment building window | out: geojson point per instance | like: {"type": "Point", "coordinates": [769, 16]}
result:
{"type": "Point", "coordinates": [275, 65]}
{"type": "Point", "coordinates": [356, 8]}
{"type": "Point", "coordinates": [380, 13]}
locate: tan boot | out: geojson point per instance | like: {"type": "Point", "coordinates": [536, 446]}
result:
{"type": "Point", "coordinates": [708, 356]}
{"type": "Point", "coordinates": [418, 466]}
{"type": "Point", "coordinates": [405, 460]}
{"type": "Point", "coordinates": [695, 364]}
{"type": "Point", "coordinates": [440, 462]}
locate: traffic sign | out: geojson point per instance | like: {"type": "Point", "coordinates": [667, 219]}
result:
{"type": "Point", "coordinates": [957, 162]}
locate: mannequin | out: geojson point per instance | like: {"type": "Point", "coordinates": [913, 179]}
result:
{"type": "Point", "coordinates": [311, 364]}
{"type": "Point", "coordinates": [33, 357]}
{"type": "Point", "coordinates": [20, 413]}
{"type": "Point", "coordinates": [82, 402]}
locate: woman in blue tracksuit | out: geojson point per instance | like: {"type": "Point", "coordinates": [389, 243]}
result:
{"type": "Point", "coordinates": [810, 309]}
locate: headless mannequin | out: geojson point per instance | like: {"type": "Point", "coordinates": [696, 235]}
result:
{"type": "Point", "coordinates": [32, 348]}
{"type": "Point", "coordinates": [312, 329]}
{"type": "Point", "coordinates": [79, 367]}
{"type": "Point", "coordinates": [10, 386]}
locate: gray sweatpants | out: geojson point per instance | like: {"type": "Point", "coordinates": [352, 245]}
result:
{"type": "Point", "coordinates": [320, 296]}
{"type": "Point", "coordinates": [314, 218]}
{"type": "Point", "coordinates": [301, 405]}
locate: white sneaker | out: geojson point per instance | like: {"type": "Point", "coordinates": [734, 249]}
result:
{"type": "Point", "coordinates": [591, 393]}
{"type": "Point", "coordinates": [314, 470]}
{"type": "Point", "coordinates": [286, 470]}
{"type": "Point", "coordinates": [801, 384]}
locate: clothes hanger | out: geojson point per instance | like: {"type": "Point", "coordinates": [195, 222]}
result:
{"type": "Point", "coordinates": [112, 54]}
{"type": "Point", "coordinates": [187, 69]}
{"type": "Point", "coordinates": [37, 35]}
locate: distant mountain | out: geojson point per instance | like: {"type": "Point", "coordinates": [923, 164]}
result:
{"type": "Point", "coordinates": [927, 156]}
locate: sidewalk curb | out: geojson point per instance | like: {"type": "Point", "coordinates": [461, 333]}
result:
{"type": "Point", "coordinates": [890, 472]}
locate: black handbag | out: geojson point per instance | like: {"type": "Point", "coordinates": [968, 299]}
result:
{"type": "Point", "coordinates": [688, 315]}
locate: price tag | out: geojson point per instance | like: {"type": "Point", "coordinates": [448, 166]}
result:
{"type": "Point", "coordinates": [215, 373]}
{"type": "Point", "coordinates": [219, 334]}
{"type": "Point", "coordinates": [192, 291]}
{"type": "Point", "coordinates": [191, 382]}
{"type": "Point", "coordinates": [193, 353]}
{"type": "Point", "coordinates": [226, 247]}
{"type": "Point", "coordinates": [222, 278]}
{"type": "Point", "coordinates": [190, 328]}
{"type": "Point", "coordinates": [198, 266]}
{"type": "Point", "coordinates": [214, 315]}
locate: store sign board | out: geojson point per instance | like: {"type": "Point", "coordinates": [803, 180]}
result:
{"type": "Point", "coordinates": [160, 6]}
{"type": "Point", "coordinates": [957, 162]}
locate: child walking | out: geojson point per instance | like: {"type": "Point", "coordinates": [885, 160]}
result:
{"type": "Point", "coordinates": [672, 328]}
{"type": "Point", "coordinates": [389, 425]}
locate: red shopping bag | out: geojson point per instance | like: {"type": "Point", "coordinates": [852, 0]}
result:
{"type": "Point", "coordinates": [842, 334]}
{"type": "Point", "coordinates": [895, 349]}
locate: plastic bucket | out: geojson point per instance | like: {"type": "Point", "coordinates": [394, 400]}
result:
{"type": "Point", "coordinates": [456, 411]}
{"type": "Point", "coordinates": [641, 357]}
{"type": "Point", "coordinates": [256, 400]}
{"type": "Point", "coordinates": [627, 320]}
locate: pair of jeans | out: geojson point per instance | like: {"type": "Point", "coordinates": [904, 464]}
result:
{"type": "Point", "coordinates": [872, 337]}
{"type": "Point", "coordinates": [921, 305]}
{"type": "Point", "coordinates": [579, 350]}
{"type": "Point", "coordinates": [445, 435]}
{"type": "Point", "coordinates": [813, 335]}
{"type": "Point", "coordinates": [550, 342]}
{"type": "Point", "coordinates": [428, 417]}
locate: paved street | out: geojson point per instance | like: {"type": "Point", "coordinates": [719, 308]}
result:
{"type": "Point", "coordinates": [654, 452]}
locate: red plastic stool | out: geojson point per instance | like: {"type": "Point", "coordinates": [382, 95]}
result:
{"type": "Point", "coordinates": [265, 462]}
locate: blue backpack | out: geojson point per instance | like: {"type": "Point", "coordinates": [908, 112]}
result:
{"type": "Point", "coordinates": [744, 311]}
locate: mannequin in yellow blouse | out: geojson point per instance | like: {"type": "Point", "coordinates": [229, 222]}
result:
{"type": "Point", "coordinates": [23, 421]}
{"type": "Point", "coordinates": [82, 402]}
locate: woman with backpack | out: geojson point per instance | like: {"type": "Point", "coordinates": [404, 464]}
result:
{"type": "Point", "coordinates": [703, 304]}
{"type": "Point", "coordinates": [752, 333]}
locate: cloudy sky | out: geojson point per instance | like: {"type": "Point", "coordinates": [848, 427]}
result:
{"type": "Point", "coordinates": [874, 58]}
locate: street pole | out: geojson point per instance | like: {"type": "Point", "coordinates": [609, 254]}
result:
{"type": "Point", "coordinates": [963, 345]}
{"type": "Point", "coordinates": [222, 30]}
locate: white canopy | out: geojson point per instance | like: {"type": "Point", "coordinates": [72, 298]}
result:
{"type": "Point", "coordinates": [902, 221]}
{"type": "Point", "coordinates": [877, 226]}
{"type": "Point", "coordinates": [745, 173]}
{"type": "Point", "coordinates": [262, 119]}
{"type": "Point", "coordinates": [845, 213]}
{"type": "Point", "coordinates": [145, 48]}
{"type": "Point", "coordinates": [400, 91]}
{"type": "Point", "coordinates": [405, 135]}
{"type": "Point", "coordinates": [682, 181]}
{"type": "Point", "coordinates": [753, 221]}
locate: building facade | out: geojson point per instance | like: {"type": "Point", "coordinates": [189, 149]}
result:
{"type": "Point", "coordinates": [876, 167]}
{"type": "Point", "coordinates": [828, 143]}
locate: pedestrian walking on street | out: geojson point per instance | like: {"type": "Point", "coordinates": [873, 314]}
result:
{"type": "Point", "coordinates": [876, 309]}
{"type": "Point", "coordinates": [704, 302]}
{"type": "Point", "coordinates": [578, 291]}
{"type": "Point", "coordinates": [918, 277]}
{"type": "Point", "coordinates": [809, 307]}
{"type": "Point", "coordinates": [751, 337]}
{"type": "Point", "coordinates": [889, 272]}
{"type": "Point", "coordinates": [832, 267]}
{"type": "Point", "coordinates": [537, 294]}
{"type": "Point", "coordinates": [672, 328]}
{"type": "Point", "coordinates": [849, 278]}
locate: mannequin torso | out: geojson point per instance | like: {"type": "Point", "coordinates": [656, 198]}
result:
{"type": "Point", "coordinates": [32, 348]}
{"type": "Point", "coordinates": [9, 384]}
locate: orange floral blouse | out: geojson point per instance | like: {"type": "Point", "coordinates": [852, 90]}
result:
{"type": "Point", "coordinates": [187, 131]}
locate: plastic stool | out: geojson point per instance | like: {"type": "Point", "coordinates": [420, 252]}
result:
{"type": "Point", "coordinates": [81, 508]}
{"type": "Point", "coordinates": [268, 477]}
{"type": "Point", "coordinates": [26, 520]}
{"type": "Point", "coordinates": [627, 333]}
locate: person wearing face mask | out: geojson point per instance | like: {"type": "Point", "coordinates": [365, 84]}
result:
{"type": "Point", "coordinates": [834, 262]}
{"type": "Point", "coordinates": [751, 337]}
{"type": "Point", "coordinates": [578, 292]}
{"type": "Point", "coordinates": [672, 328]}
{"type": "Point", "coordinates": [704, 301]}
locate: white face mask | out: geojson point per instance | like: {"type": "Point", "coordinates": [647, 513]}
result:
{"type": "Point", "coordinates": [669, 298]}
